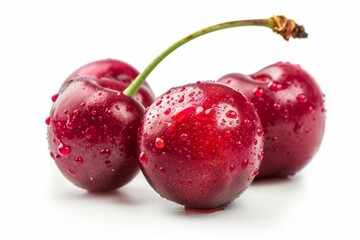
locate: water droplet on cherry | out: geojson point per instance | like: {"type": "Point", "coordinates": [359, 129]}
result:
{"type": "Point", "coordinates": [245, 164]}
{"type": "Point", "coordinates": [275, 86]}
{"type": "Point", "coordinates": [64, 150]}
{"type": "Point", "coordinates": [54, 97]}
{"type": "Point", "coordinates": [181, 114]}
{"type": "Point", "coordinates": [79, 160]}
{"type": "Point", "coordinates": [71, 172]}
{"type": "Point", "coordinates": [301, 98]}
{"type": "Point", "coordinates": [158, 102]}
{"type": "Point", "coordinates": [167, 111]}
{"type": "Point", "coordinates": [47, 120]}
{"type": "Point", "coordinates": [184, 137]}
{"type": "Point", "coordinates": [276, 106]}
{"type": "Point", "coordinates": [159, 143]}
{"type": "Point", "coordinates": [231, 114]}
{"type": "Point", "coordinates": [310, 109]}
{"type": "Point", "coordinates": [90, 131]}
{"type": "Point", "coordinates": [181, 99]}
{"type": "Point", "coordinates": [232, 168]}
{"type": "Point", "coordinates": [143, 158]}
{"type": "Point", "coordinates": [258, 92]}
{"type": "Point", "coordinates": [247, 123]}
{"type": "Point", "coordinates": [106, 152]}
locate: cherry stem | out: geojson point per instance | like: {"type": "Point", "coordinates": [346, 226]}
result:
{"type": "Point", "coordinates": [287, 28]}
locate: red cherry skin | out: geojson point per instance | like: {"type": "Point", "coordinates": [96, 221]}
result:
{"type": "Point", "coordinates": [117, 75]}
{"type": "Point", "coordinates": [291, 108]}
{"type": "Point", "coordinates": [92, 133]}
{"type": "Point", "coordinates": [200, 145]}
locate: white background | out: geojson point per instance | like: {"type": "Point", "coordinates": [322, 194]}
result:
{"type": "Point", "coordinates": [42, 42]}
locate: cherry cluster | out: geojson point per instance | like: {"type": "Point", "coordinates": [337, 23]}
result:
{"type": "Point", "coordinates": [199, 145]}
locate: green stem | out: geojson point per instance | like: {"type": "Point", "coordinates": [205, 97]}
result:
{"type": "Point", "coordinates": [279, 24]}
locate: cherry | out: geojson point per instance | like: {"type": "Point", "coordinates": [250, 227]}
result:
{"type": "Point", "coordinates": [291, 108]}
{"type": "Point", "coordinates": [92, 134]}
{"type": "Point", "coordinates": [114, 74]}
{"type": "Point", "coordinates": [200, 145]}
{"type": "Point", "coordinates": [92, 126]}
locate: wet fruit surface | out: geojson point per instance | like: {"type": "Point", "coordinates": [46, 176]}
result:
{"type": "Point", "coordinates": [199, 145]}
{"type": "Point", "coordinates": [291, 108]}
{"type": "Point", "coordinates": [92, 134]}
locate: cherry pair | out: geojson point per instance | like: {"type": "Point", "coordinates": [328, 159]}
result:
{"type": "Point", "coordinates": [201, 144]}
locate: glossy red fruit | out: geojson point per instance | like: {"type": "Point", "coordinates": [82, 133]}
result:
{"type": "Point", "coordinates": [117, 75]}
{"type": "Point", "coordinates": [291, 108]}
{"type": "Point", "coordinates": [92, 131]}
{"type": "Point", "coordinates": [200, 145]}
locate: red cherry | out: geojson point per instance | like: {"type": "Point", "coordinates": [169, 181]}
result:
{"type": "Point", "coordinates": [92, 134]}
{"type": "Point", "coordinates": [116, 75]}
{"type": "Point", "coordinates": [290, 107]}
{"type": "Point", "coordinates": [203, 152]}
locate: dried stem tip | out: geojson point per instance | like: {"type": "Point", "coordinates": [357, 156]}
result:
{"type": "Point", "coordinates": [288, 28]}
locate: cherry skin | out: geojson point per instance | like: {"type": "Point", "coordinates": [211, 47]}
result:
{"type": "Point", "coordinates": [115, 74]}
{"type": "Point", "coordinates": [291, 108]}
{"type": "Point", "coordinates": [200, 145]}
{"type": "Point", "coordinates": [92, 133]}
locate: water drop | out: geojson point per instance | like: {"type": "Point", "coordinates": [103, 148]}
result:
{"type": "Point", "coordinates": [159, 143]}
{"type": "Point", "coordinates": [276, 106]}
{"type": "Point", "coordinates": [47, 120]}
{"type": "Point", "coordinates": [232, 168]}
{"type": "Point", "coordinates": [182, 89]}
{"type": "Point", "coordinates": [167, 111]}
{"type": "Point", "coordinates": [69, 123]}
{"type": "Point", "coordinates": [181, 99]}
{"type": "Point", "coordinates": [76, 112]}
{"type": "Point", "coordinates": [106, 152]}
{"type": "Point", "coordinates": [162, 170]}
{"type": "Point", "coordinates": [256, 172]}
{"type": "Point", "coordinates": [143, 158]}
{"type": "Point", "coordinates": [158, 102]}
{"type": "Point", "coordinates": [107, 162]}
{"type": "Point", "coordinates": [79, 160]}
{"type": "Point", "coordinates": [247, 123]}
{"type": "Point", "coordinates": [82, 104]}
{"type": "Point", "coordinates": [310, 109]}
{"type": "Point", "coordinates": [184, 137]}
{"type": "Point", "coordinates": [274, 138]}
{"type": "Point", "coordinates": [93, 112]}
{"type": "Point", "coordinates": [100, 93]}
{"type": "Point", "coordinates": [227, 133]}
{"type": "Point", "coordinates": [255, 141]}
{"type": "Point", "coordinates": [259, 132]}
{"type": "Point", "coordinates": [54, 97]}
{"type": "Point", "coordinates": [181, 114]}
{"type": "Point", "coordinates": [245, 164]}
{"type": "Point", "coordinates": [170, 127]}
{"type": "Point", "coordinates": [301, 98]}
{"type": "Point", "coordinates": [90, 132]}
{"type": "Point", "coordinates": [258, 92]}
{"type": "Point", "coordinates": [260, 156]}
{"type": "Point", "coordinates": [63, 149]}
{"type": "Point", "coordinates": [231, 114]}
{"type": "Point", "coordinates": [275, 86]}
{"type": "Point", "coordinates": [71, 172]}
